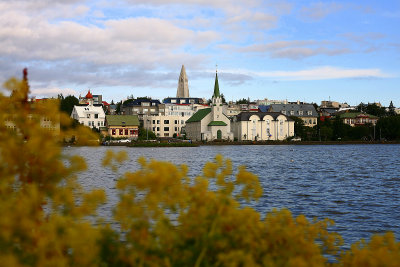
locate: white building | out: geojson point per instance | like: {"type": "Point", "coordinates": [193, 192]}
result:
{"type": "Point", "coordinates": [173, 121]}
{"type": "Point", "coordinates": [89, 115]}
{"type": "Point", "coordinates": [264, 126]}
{"type": "Point", "coordinates": [210, 123]}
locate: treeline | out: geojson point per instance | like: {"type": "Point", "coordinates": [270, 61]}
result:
{"type": "Point", "coordinates": [387, 128]}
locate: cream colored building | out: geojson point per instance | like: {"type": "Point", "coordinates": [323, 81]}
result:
{"type": "Point", "coordinates": [257, 126]}
{"type": "Point", "coordinates": [210, 123]}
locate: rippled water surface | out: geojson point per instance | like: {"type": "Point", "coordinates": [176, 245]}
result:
{"type": "Point", "coordinates": [355, 185]}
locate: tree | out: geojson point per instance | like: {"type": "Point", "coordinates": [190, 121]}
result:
{"type": "Point", "coordinates": [391, 108]}
{"type": "Point", "coordinates": [118, 108]}
{"type": "Point", "coordinates": [299, 128]}
{"type": "Point", "coordinates": [145, 134]}
{"type": "Point", "coordinates": [67, 104]}
{"type": "Point", "coordinates": [242, 101]}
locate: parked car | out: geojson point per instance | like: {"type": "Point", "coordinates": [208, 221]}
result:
{"type": "Point", "coordinates": [296, 139]}
{"type": "Point", "coordinates": [124, 141]}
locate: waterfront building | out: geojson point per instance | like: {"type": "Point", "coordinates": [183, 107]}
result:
{"type": "Point", "coordinates": [210, 123]}
{"type": "Point", "coordinates": [126, 126]}
{"type": "Point", "coordinates": [262, 126]}
{"type": "Point", "coordinates": [358, 118]}
{"type": "Point", "coordinates": [306, 112]}
{"type": "Point", "coordinates": [90, 114]}
{"type": "Point", "coordinates": [142, 106]}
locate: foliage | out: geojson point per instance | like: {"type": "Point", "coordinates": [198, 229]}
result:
{"type": "Point", "coordinates": [372, 109]}
{"type": "Point", "coordinates": [242, 101]}
{"type": "Point", "coordinates": [145, 134]}
{"type": "Point", "coordinates": [389, 127]}
{"type": "Point", "coordinates": [165, 218]}
{"type": "Point", "coordinates": [67, 104]}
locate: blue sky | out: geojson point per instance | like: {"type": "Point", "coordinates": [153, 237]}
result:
{"type": "Point", "coordinates": [348, 51]}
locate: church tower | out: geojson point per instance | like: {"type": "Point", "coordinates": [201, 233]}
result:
{"type": "Point", "coordinates": [216, 101]}
{"type": "Point", "coordinates": [183, 86]}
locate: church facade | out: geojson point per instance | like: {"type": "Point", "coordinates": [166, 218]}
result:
{"type": "Point", "coordinates": [210, 123]}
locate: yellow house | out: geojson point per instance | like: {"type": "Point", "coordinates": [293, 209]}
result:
{"type": "Point", "coordinates": [126, 126]}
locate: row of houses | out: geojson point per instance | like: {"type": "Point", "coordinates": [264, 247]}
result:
{"type": "Point", "coordinates": [175, 116]}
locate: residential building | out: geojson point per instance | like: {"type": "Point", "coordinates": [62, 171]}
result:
{"type": "Point", "coordinates": [358, 118]}
{"type": "Point", "coordinates": [90, 115]}
{"type": "Point", "coordinates": [306, 112]}
{"type": "Point", "coordinates": [97, 99]}
{"type": "Point", "coordinates": [126, 126]}
{"type": "Point", "coordinates": [142, 107]}
{"type": "Point", "coordinates": [210, 123]}
{"type": "Point", "coordinates": [259, 126]}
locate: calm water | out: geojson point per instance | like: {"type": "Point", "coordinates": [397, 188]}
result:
{"type": "Point", "coordinates": [355, 185]}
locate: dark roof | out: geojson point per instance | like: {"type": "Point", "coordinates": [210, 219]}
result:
{"type": "Point", "coordinates": [296, 108]}
{"type": "Point", "coordinates": [217, 123]}
{"type": "Point", "coordinates": [199, 115]}
{"type": "Point", "coordinates": [139, 101]}
{"type": "Point", "coordinates": [183, 100]}
{"type": "Point", "coordinates": [245, 116]}
{"type": "Point", "coordinates": [119, 120]}
{"type": "Point", "coordinates": [263, 108]}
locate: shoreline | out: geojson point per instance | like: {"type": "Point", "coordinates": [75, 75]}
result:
{"type": "Point", "coordinates": [246, 143]}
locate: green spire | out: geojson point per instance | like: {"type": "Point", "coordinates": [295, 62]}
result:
{"type": "Point", "coordinates": [216, 86]}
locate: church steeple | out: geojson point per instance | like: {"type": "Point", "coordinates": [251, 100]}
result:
{"type": "Point", "coordinates": [183, 86]}
{"type": "Point", "coordinates": [216, 86]}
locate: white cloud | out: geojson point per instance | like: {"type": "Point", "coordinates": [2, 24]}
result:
{"type": "Point", "coordinates": [52, 91]}
{"type": "Point", "coordinates": [319, 10]}
{"type": "Point", "coordinates": [320, 73]}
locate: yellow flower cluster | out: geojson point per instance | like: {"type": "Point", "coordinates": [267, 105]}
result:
{"type": "Point", "coordinates": [164, 217]}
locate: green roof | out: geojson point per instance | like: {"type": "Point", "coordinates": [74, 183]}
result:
{"type": "Point", "coordinates": [120, 120]}
{"type": "Point", "coordinates": [199, 115]}
{"type": "Point", "coordinates": [352, 115]}
{"type": "Point", "coordinates": [217, 123]}
{"type": "Point", "coordinates": [216, 87]}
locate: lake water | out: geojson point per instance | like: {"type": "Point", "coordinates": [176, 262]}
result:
{"type": "Point", "coordinates": [355, 185]}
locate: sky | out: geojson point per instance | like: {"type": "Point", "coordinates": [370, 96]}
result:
{"type": "Point", "coordinates": [346, 51]}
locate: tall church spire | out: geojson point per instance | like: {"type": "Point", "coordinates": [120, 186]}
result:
{"type": "Point", "coordinates": [183, 86]}
{"type": "Point", "coordinates": [216, 86]}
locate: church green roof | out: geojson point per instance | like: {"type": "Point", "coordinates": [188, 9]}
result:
{"type": "Point", "coordinates": [199, 115]}
{"type": "Point", "coordinates": [217, 123]}
{"type": "Point", "coordinates": [216, 87]}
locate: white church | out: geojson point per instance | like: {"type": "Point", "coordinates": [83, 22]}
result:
{"type": "Point", "coordinates": [210, 123]}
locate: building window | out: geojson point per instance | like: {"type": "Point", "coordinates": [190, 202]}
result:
{"type": "Point", "coordinates": [126, 131]}
{"type": "Point", "coordinates": [284, 112]}
{"type": "Point", "coordinates": [166, 121]}
{"type": "Point", "coordinates": [98, 123]}
{"type": "Point", "coordinates": [166, 129]}
{"type": "Point", "coordinates": [154, 121]}
{"type": "Point", "coordinates": [292, 112]}
{"type": "Point", "coordinates": [176, 129]}
{"type": "Point", "coordinates": [309, 112]}
{"type": "Point", "coordinates": [300, 112]}
{"type": "Point", "coordinates": [158, 129]}
{"type": "Point", "coordinates": [154, 129]}
{"type": "Point", "coordinates": [158, 121]}
{"type": "Point", "coordinates": [121, 131]}
{"type": "Point", "coordinates": [176, 121]}
{"type": "Point", "coordinates": [113, 131]}
{"type": "Point", "coordinates": [132, 132]}
{"type": "Point", "coordinates": [88, 116]}
{"type": "Point", "coordinates": [96, 116]}
{"type": "Point", "coordinates": [182, 122]}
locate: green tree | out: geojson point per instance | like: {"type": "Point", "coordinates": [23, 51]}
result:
{"type": "Point", "coordinates": [388, 128]}
{"type": "Point", "coordinates": [67, 104]}
{"type": "Point", "coordinates": [299, 128]}
{"type": "Point", "coordinates": [391, 108]}
{"type": "Point", "coordinates": [243, 101]}
{"type": "Point", "coordinates": [145, 134]}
